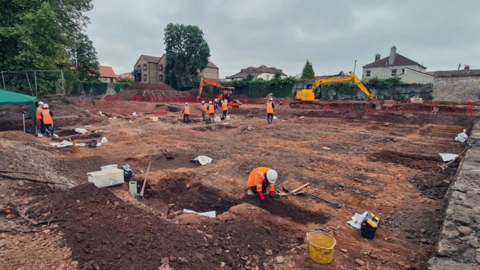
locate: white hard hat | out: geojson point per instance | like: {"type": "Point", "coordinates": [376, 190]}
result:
{"type": "Point", "coordinates": [203, 101]}
{"type": "Point", "coordinates": [186, 103]}
{"type": "Point", "coordinates": [45, 106]}
{"type": "Point", "coordinates": [271, 99]}
{"type": "Point", "coordinates": [272, 176]}
{"type": "Point", "coordinates": [40, 103]}
{"type": "Point", "coordinates": [210, 102]}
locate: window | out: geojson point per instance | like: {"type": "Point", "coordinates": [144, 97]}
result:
{"type": "Point", "coordinates": [268, 76]}
{"type": "Point", "coordinates": [111, 80]}
{"type": "Point", "coordinates": [145, 67]}
{"type": "Point", "coordinates": [144, 77]}
{"type": "Point", "coordinates": [160, 67]}
{"type": "Point", "coordinates": [368, 73]}
{"type": "Point", "coordinates": [394, 72]}
{"type": "Point", "coordinates": [139, 69]}
{"type": "Point", "coordinates": [104, 79]}
{"type": "Point", "coordinates": [403, 71]}
{"type": "Point", "coordinates": [160, 78]}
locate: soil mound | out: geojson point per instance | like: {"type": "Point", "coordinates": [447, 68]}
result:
{"type": "Point", "coordinates": [105, 233]}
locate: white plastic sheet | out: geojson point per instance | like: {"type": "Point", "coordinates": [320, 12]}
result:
{"type": "Point", "coordinates": [210, 214]}
{"type": "Point", "coordinates": [203, 160]}
{"type": "Point", "coordinates": [462, 137]}
{"type": "Point", "coordinates": [357, 220]}
{"type": "Point", "coordinates": [62, 144]}
{"type": "Point", "coordinates": [448, 157]}
{"type": "Point", "coordinates": [81, 130]}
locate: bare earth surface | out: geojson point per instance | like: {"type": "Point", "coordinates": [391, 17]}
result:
{"type": "Point", "coordinates": [390, 169]}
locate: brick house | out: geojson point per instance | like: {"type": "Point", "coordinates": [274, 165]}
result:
{"type": "Point", "coordinates": [151, 69]}
{"type": "Point", "coordinates": [107, 74]}
{"type": "Point", "coordinates": [262, 72]}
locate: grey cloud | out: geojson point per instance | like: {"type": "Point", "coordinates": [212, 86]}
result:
{"type": "Point", "coordinates": [284, 33]}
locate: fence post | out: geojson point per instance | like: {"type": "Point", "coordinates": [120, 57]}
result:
{"type": "Point", "coordinates": [3, 79]}
{"type": "Point", "coordinates": [36, 88]}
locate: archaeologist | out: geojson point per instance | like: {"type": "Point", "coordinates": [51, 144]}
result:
{"type": "Point", "coordinates": [38, 116]}
{"type": "Point", "coordinates": [270, 107]}
{"type": "Point", "coordinates": [211, 111]}
{"type": "Point", "coordinates": [215, 104]}
{"type": "Point", "coordinates": [204, 109]}
{"type": "Point", "coordinates": [260, 179]}
{"type": "Point", "coordinates": [47, 119]}
{"type": "Point", "coordinates": [186, 113]}
{"type": "Point", "coordinates": [225, 108]}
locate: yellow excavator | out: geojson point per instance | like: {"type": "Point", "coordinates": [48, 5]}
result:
{"type": "Point", "coordinates": [310, 95]}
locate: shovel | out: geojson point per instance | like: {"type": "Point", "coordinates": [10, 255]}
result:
{"type": "Point", "coordinates": [167, 155]}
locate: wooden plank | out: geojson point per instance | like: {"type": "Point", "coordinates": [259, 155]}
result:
{"type": "Point", "coordinates": [300, 187]}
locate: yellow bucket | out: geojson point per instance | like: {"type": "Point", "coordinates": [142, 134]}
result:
{"type": "Point", "coordinates": [321, 247]}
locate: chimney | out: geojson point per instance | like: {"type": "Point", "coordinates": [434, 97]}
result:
{"type": "Point", "coordinates": [393, 54]}
{"type": "Point", "coordinates": [377, 57]}
{"type": "Point", "coordinates": [466, 67]}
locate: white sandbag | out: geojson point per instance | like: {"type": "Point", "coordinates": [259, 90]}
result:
{"type": "Point", "coordinates": [462, 137]}
{"type": "Point", "coordinates": [81, 130]}
{"type": "Point", "coordinates": [448, 157]}
{"type": "Point", "coordinates": [203, 160]}
{"type": "Point", "coordinates": [62, 144]}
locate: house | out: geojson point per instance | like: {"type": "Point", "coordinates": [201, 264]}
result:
{"type": "Point", "coordinates": [107, 74]}
{"type": "Point", "coordinates": [151, 69]}
{"type": "Point", "coordinates": [127, 76]}
{"type": "Point", "coordinates": [262, 72]}
{"type": "Point", "coordinates": [396, 65]}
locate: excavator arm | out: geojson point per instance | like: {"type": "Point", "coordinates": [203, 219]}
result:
{"type": "Point", "coordinates": [352, 78]}
{"type": "Point", "coordinates": [214, 83]}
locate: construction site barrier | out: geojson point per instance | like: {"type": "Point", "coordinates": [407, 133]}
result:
{"type": "Point", "coordinates": [387, 105]}
{"type": "Point", "coordinates": [447, 107]}
{"type": "Point", "coordinates": [408, 106]}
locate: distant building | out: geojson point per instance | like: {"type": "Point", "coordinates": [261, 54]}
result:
{"type": "Point", "coordinates": [262, 72]}
{"type": "Point", "coordinates": [457, 85]}
{"type": "Point", "coordinates": [125, 77]}
{"type": "Point", "coordinates": [396, 65]}
{"type": "Point", "coordinates": [107, 74]}
{"type": "Point", "coordinates": [151, 69]}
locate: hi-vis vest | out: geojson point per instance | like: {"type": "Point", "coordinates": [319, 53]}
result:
{"type": "Point", "coordinates": [38, 113]}
{"type": "Point", "coordinates": [256, 178]}
{"type": "Point", "coordinates": [225, 106]}
{"type": "Point", "coordinates": [211, 108]}
{"type": "Point", "coordinates": [186, 110]}
{"type": "Point", "coordinates": [269, 107]}
{"type": "Point", "coordinates": [47, 118]}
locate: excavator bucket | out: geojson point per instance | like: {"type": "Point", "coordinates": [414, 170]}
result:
{"type": "Point", "coordinates": [235, 103]}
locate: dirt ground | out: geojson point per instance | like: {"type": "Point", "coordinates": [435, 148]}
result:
{"type": "Point", "coordinates": [388, 168]}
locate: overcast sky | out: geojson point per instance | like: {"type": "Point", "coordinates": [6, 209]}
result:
{"type": "Point", "coordinates": [284, 33]}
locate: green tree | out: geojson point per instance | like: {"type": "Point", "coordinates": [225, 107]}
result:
{"type": "Point", "coordinates": [35, 35]}
{"type": "Point", "coordinates": [84, 58]}
{"type": "Point", "coordinates": [187, 54]}
{"type": "Point", "coordinates": [308, 73]}
{"type": "Point", "coordinates": [278, 74]}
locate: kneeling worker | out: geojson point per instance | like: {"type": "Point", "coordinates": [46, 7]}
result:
{"type": "Point", "coordinates": [261, 178]}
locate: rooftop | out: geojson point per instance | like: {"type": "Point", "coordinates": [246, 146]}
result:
{"type": "Point", "coordinates": [106, 72]}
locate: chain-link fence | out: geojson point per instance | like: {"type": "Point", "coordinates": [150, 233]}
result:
{"type": "Point", "coordinates": [33, 82]}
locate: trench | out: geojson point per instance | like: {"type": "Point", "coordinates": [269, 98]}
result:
{"type": "Point", "coordinates": [200, 198]}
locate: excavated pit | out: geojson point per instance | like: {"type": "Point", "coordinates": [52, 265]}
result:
{"type": "Point", "coordinates": [200, 198]}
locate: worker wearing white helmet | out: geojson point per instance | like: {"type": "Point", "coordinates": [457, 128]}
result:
{"type": "Point", "coordinates": [47, 120]}
{"type": "Point", "coordinates": [270, 110]}
{"type": "Point", "coordinates": [211, 112]}
{"type": "Point", "coordinates": [204, 109]}
{"type": "Point", "coordinates": [186, 113]}
{"type": "Point", "coordinates": [38, 117]}
{"type": "Point", "coordinates": [262, 179]}
{"type": "Point", "coordinates": [224, 108]}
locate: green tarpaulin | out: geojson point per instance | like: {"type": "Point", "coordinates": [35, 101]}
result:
{"type": "Point", "coordinates": [12, 98]}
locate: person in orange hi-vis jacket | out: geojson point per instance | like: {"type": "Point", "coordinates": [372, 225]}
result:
{"type": "Point", "coordinates": [38, 116]}
{"type": "Point", "coordinates": [270, 107]}
{"type": "Point", "coordinates": [186, 113]}
{"type": "Point", "coordinates": [225, 108]}
{"type": "Point", "coordinates": [260, 179]}
{"type": "Point", "coordinates": [47, 119]}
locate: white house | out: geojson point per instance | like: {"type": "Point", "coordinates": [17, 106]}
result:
{"type": "Point", "coordinates": [262, 72]}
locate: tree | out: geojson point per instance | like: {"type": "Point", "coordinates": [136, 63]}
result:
{"type": "Point", "coordinates": [308, 73]}
{"type": "Point", "coordinates": [84, 58]}
{"type": "Point", "coordinates": [187, 54]}
{"type": "Point", "coordinates": [278, 74]}
{"type": "Point", "coordinates": [35, 35]}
